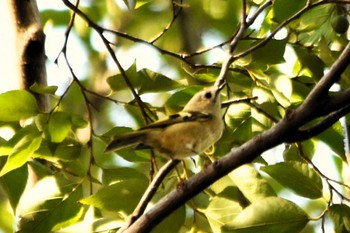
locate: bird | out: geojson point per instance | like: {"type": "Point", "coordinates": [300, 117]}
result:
{"type": "Point", "coordinates": [184, 134]}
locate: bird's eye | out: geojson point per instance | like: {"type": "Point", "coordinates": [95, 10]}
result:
{"type": "Point", "coordinates": [208, 95]}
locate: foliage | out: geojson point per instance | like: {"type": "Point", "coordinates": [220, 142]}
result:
{"type": "Point", "coordinates": [154, 56]}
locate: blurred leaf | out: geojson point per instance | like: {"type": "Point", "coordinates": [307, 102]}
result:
{"type": "Point", "coordinates": [78, 121]}
{"type": "Point", "coordinates": [283, 9]}
{"type": "Point", "coordinates": [297, 176]}
{"type": "Point", "coordinates": [315, 24]}
{"type": "Point", "coordinates": [122, 196]}
{"type": "Point", "coordinates": [281, 87]}
{"type": "Point", "coordinates": [240, 83]}
{"type": "Point", "coordinates": [59, 126]}
{"type": "Point", "coordinates": [7, 147]}
{"type": "Point", "coordinates": [173, 222]}
{"type": "Point", "coordinates": [272, 214]}
{"type": "Point", "coordinates": [14, 183]}
{"type": "Point", "coordinates": [16, 105]}
{"type": "Point", "coordinates": [334, 138]}
{"type": "Point", "coordinates": [300, 91]}
{"type": "Point", "coordinates": [43, 89]}
{"type": "Point", "coordinates": [238, 118]}
{"type": "Point", "coordinates": [111, 176]}
{"type": "Point", "coordinates": [179, 99]}
{"type": "Point", "coordinates": [221, 211]}
{"type": "Point", "coordinates": [22, 151]}
{"type": "Point", "coordinates": [251, 184]}
{"type": "Point", "coordinates": [56, 17]}
{"type": "Point", "coordinates": [339, 214]}
{"type": "Point", "coordinates": [270, 53]}
{"type": "Point", "coordinates": [310, 61]}
{"type": "Point", "coordinates": [308, 148]}
{"type": "Point", "coordinates": [50, 205]}
{"type": "Point", "coordinates": [157, 83]}
{"type": "Point", "coordinates": [144, 80]}
{"type": "Point", "coordinates": [67, 151]}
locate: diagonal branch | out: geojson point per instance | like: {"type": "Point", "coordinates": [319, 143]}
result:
{"type": "Point", "coordinates": [247, 152]}
{"type": "Point", "coordinates": [149, 193]}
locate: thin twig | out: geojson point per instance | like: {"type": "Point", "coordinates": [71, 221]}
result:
{"type": "Point", "coordinates": [149, 193]}
{"type": "Point", "coordinates": [331, 187]}
{"type": "Point", "coordinates": [176, 9]}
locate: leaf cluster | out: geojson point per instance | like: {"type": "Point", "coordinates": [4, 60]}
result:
{"type": "Point", "coordinates": [155, 55]}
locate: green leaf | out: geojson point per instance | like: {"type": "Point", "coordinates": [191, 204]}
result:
{"type": "Point", "coordinates": [51, 205]}
{"type": "Point", "coordinates": [14, 183]}
{"type": "Point", "coordinates": [316, 24]}
{"type": "Point", "coordinates": [16, 105]}
{"type": "Point", "coordinates": [239, 120]}
{"type": "Point", "coordinates": [310, 62]}
{"type": "Point", "coordinates": [65, 151]}
{"type": "Point", "coordinates": [339, 214]}
{"type": "Point", "coordinates": [251, 184]}
{"type": "Point", "coordinates": [22, 151]}
{"type": "Point", "coordinates": [334, 138]}
{"type": "Point", "coordinates": [121, 196]}
{"type": "Point", "coordinates": [43, 89]}
{"type": "Point", "coordinates": [78, 121]}
{"type": "Point", "coordinates": [221, 211]}
{"type": "Point", "coordinates": [59, 126]}
{"type": "Point", "coordinates": [281, 87]}
{"type": "Point", "coordinates": [110, 176]}
{"type": "Point", "coordinates": [283, 9]}
{"type": "Point", "coordinates": [174, 221]}
{"type": "Point", "coordinates": [157, 83]}
{"type": "Point", "coordinates": [179, 99]}
{"type": "Point", "coordinates": [144, 80]}
{"type": "Point", "coordinates": [297, 176]}
{"type": "Point", "coordinates": [272, 214]}
{"type": "Point", "coordinates": [57, 17]}
{"type": "Point", "coordinates": [271, 53]}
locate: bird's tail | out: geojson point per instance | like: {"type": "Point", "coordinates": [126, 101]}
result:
{"type": "Point", "coordinates": [126, 140]}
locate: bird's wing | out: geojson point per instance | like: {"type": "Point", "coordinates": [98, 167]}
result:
{"type": "Point", "coordinates": [179, 118]}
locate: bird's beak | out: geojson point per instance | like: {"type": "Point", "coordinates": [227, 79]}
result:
{"type": "Point", "coordinates": [219, 88]}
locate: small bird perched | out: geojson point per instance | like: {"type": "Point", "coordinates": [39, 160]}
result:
{"type": "Point", "coordinates": [186, 133]}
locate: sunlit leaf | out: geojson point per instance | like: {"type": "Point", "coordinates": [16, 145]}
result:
{"type": "Point", "coordinates": [281, 87]}
{"type": "Point", "coordinates": [50, 205]}
{"type": "Point", "coordinates": [310, 62]}
{"type": "Point", "coordinates": [272, 214]}
{"type": "Point", "coordinates": [251, 184]}
{"type": "Point", "coordinates": [14, 183]}
{"type": "Point", "coordinates": [122, 196]}
{"type": "Point", "coordinates": [17, 105]}
{"type": "Point", "coordinates": [221, 211]}
{"type": "Point", "coordinates": [111, 176]}
{"type": "Point", "coordinates": [334, 138]}
{"type": "Point", "coordinates": [59, 126]}
{"type": "Point", "coordinates": [297, 176]}
{"type": "Point", "coordinates": [22, 151]}
{"type": "Point", "coordinates": [144, 80]}
{"type": "Point", "coordinates": [339, 213]}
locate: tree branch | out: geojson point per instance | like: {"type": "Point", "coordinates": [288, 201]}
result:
{"type": "Point", "coordinates": [151, 190]}
{"type": "Point", "coordinates": [31, 47]}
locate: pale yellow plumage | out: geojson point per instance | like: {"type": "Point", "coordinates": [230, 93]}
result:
{"type": "Point", "coordinates": [187, 133]}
